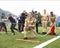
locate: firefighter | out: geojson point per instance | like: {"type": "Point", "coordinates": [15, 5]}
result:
{"type": "Point", "coordinates": [30, 23]}
{"type": "Point", "coordinates": [44, 21]}
{"type": "Point", "coordinates": [52, 23]}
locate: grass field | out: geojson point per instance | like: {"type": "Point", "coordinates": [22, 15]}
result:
{"type": "Point", "coordinates": [55, 44]}
{"type": "Point", "coordinates": [9, 40]}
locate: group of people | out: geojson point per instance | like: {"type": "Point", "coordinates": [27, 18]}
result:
{"type": "Point", "coordinates": [51, 19]}
{"type": "Point", "coordinates": [29, 21]}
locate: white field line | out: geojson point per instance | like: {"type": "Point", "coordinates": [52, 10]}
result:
{"type": "Point", "coordinates": [47, 42]}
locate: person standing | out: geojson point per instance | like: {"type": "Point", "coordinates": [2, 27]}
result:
{"type": "Point", "coordinates": [19, 24]}
{"type": "Point", "coordinates": [44, 21]}
{"type": "Point", "coordinates": [0, 21]}
{"type": "Point", "coordinates": [22, 21]}
{"type": "Point", "coordinates": [3, 24]}
{"type": "Point", "coordinates": [36, 16]}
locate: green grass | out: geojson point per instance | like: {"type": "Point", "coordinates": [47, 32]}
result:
{"type": "Point", "coordinates": [9, 40]}
{"type": "Point", "coordinates": [55, 44]}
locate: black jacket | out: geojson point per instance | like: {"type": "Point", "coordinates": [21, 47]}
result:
{"type": "Point", "coordinates": [12, 20]}
{"type": "Point", "coordinates": [22, 17]}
